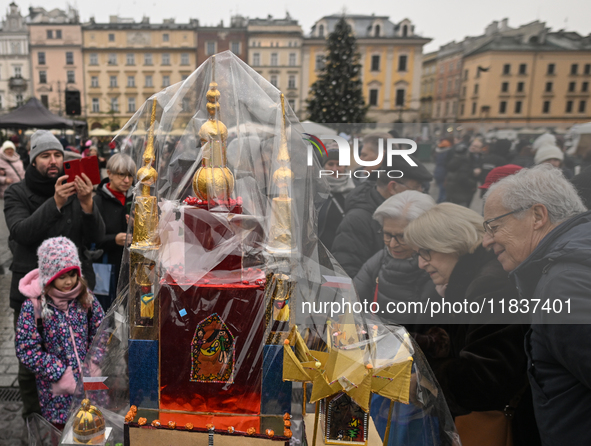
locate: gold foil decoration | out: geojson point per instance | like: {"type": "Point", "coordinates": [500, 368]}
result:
{"type": "Point", "coordinates": [145, 240]}
{"type": "Point", "coordinates": [89, 424]}
{"type": "Point", "coordinates": [280, 237]}
{"type": "Point", "coordinates": [213, 180]}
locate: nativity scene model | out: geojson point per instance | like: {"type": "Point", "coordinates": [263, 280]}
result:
{"type": "Point", "coordinates": [207, 342]}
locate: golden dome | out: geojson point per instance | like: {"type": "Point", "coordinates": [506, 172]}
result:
{"type": "Point", "coordinates": [147, 175]}
{"type": "Point", "coordinates": [89, 424]}
{"type": "Point", "coordinates": [213, 183]}
{"type": "Point", "coordinates": [213, 129]}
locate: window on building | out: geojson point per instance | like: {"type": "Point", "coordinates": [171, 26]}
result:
{"type": "Point", "coordinates": [574, 68]}
{"type": "Point", "coordinates": [291, 103]}
{"type": "Point", "coordinates": [292, 59]}
{"type": "Point", "coordinates": [71, 77]}
{"type": "Point", "coordinates": [130, 59]}
{"type": "Point", "coordinates": [115, 104]}
{"type": "Point", "coordinates": [505, 87]}
{"type": "Point", "coordinates": [19, 100]}
{"type": "Point", "coordinates": [184, 77]}
{"type": "Point", "coordinates": [522, 68]}
{"type": "Point", "coordinates": [518, 105]}
{"type": "Point", "coordinates": [274, 80]}
{"type": "Point", "coordinates": [112, 59]}
{"type": "Point", "coordinates": [42, 77]}
{"type": "Point", "coordinates": [402, 62]}
{"type": "Point", "coordinates": [94, 81]}
{"type": "Point", "coordinates": [321, 31]}
{"type": "Point", "coordinates": [373, 97]}
{"type": "Point", "coordinates": [45, 100]}
{"type": "Point", "coordinates": [473, 108]}
{"type": "Point", "coordinates": [462, 109]}
{"type": "Point", "coordinates": [400, 97]}
{"type": "Point", "coordinates": [165, 58]}
{"type": "Point", "coordinates": [58, 33]}
{"type": "Point", "coordinates": [184, 58]}
{"type": "Point", "coordinates": [587, 69]}
{"type": "Point", "coordinates": [69, 58]}
{"type": "Point", "coordinates": [111, 37]}
{"type": "Point", "coordinates": [548, 88]}
{"type": "Point", "coordinates": [50, 34]}
{"type": "Point", "coordinates": [41, 57]}
{"type": "Point", "coordinates": [465, 75]}
{"type": "Point", "coordinates": [274, 59]}
{"type": "Point", "coordinates": [377, 31]}
{"type": "Point", "coordinates": [582, 106]}
{"type": "Point", "coordinates": [166, 81]}
{"type": "Point", "coordinates": [291, 82]}
{"type": "Point", "coordinates": [463, 91]}
{"type": "Point", "coordinates": [572, 86]}
{"type": "Point", "coordinates": [475, 88]}
{"type": "Point", "coordinates": [569, 106]}
{"type": "Point", "coordinates": [95, 105]}
{"type": "Point", "coordinates": [502, 107]}
{"type": "Point", "coordinates": [210, 47]}
{"type": "Point", "coordinates": [165, 38]}
{"type": "Point", "coordinates": [449, 86]}
{"type": "Point", "coordinates": [375, 62]}
{"type": "Point", "coordinates": [256, 59]}
{"type": "Point", "coordinates": [130, 105]}
{"type": "Point", "coordinates": [112, 81]}
{"type": "Point", "coordinates": [235, 47]}
{"type": "Point", "coordinates": [446, 108]}
{"type": "Point", "coordinates": [520, 87]}
{"type": "Point", "coordinates": [438, 110]}
{"type": "Point", "coordinates": [149, 82]}
{"type": "Point", "coordinates": [93, 59]}
{"type": "Point", "coordinates": [551, 68]}
{"type": "Point", "coordinates": [546, 107]}
{"type": "Point", "coordinates": [584, 87]}
{"type": "Point", "coordinates": [148, 59]}
{"type": "Point", "coordinates": [319, 62]}
{"type": "Point", "coordinates": [18, 72]}
{"type": "Point", "coordinates": [131, 81]}
{"type": "Point", "coordinates": [506, 69]}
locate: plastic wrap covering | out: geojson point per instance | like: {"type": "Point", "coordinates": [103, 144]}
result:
{"type": "Point", "coordinates": [223, 323]}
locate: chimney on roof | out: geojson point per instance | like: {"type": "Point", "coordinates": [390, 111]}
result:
{"type": "Point", "coordinates": [492, 28]}
{"type": "Point", "coordinates": [504, 24]}
{"type": "Point", "coordinates": [145, 20]}
{"type": "Point", "coordinates": [113, 19]}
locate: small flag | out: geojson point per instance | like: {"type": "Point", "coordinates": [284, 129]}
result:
{"type": "Point", "coordinates": [337, 282]}
{"type": "Point", "coordinates": [95, 383]}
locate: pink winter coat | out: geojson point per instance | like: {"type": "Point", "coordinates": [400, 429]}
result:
{"type": "Point", "coordinates": [11, 168]}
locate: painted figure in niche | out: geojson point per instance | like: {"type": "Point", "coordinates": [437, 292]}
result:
{"type": "Point", "coordinates": [346, 420]}
{"type": "Point", "coordinates": [212, 352]}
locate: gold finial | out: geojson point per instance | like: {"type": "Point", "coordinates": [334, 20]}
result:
{"type": "Point", "coordinates": [147, 175]}
{"type": "Point", "coordinates": [283, 174]}
{"type": "Point", "coordinates": [213, 180]}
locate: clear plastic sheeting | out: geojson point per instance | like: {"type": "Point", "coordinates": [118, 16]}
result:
{"type": "Point", "coordinates": [221, 324]}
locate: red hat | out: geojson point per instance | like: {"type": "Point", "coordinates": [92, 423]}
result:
{"type": "Point", "coordinates": [498, 173]}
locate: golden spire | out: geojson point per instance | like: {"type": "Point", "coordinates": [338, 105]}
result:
{"type": "Point", "coordinates": [213, 180]}
{"type": "Point", "coordinates": [283, 175]}
{"type": "Point", "coordinates": [147, 175]}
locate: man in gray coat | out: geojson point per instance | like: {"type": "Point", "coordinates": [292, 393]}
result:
{"type": "Point", "coordinates": [41, 206]}
{"type": "Point", "coordinates": [539, 229]}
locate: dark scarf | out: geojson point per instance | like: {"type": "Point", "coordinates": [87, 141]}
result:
{"type": "Point", "coordinates": [38, 183]}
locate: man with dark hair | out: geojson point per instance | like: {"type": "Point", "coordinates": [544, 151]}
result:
{"type": "Point", "coordinates": [41, 206]}
{"type": "Point", "coordinates": [358, 236]}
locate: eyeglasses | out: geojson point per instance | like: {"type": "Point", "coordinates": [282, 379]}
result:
{"type": "Point", "coordinates": [123, 175]}
{"type": "Point", "coordinates": [424, 254]}
{"type": "Point", "coordinates": [491, 230]}
{"type": "Point", "coordinates": [388, 238]}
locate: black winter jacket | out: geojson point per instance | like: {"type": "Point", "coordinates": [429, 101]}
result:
{"type": "Point", "coordinates": [559, 356]}
{"type": "Point", "coordinates": [460, 182]}
{"type": "Point", "coordinates": [32, 218]}
{"type": "Point", "coordinates": [358, 236]}
{"type": "Point", "coordinates": [398, 280]}
{"type": "Point", "coordinates": [113, 213]}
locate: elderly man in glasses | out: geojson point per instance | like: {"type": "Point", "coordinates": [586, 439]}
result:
{"type": "Point", "coordinates": [537, 226]}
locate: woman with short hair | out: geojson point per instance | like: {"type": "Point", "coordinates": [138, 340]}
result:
{"type": "Point", "coordinates": [486, 367]}
{"type": "Point", "coordinates": [393, 274]}
{"type": "Point", "coordinates": [113, 199]}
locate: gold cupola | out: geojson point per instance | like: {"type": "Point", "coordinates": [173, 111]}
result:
{"type": "Point", "coordinates": [89, 424]}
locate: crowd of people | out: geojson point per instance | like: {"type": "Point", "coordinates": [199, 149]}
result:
{"type": "Point", "coordinates": [388, 234]}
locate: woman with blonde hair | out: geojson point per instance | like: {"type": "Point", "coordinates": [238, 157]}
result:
{"type": "Point", "coordinates": [485, 370]}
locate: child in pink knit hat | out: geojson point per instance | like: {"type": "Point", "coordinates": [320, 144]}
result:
{"type": "Point", "coordinates": [56, 325]}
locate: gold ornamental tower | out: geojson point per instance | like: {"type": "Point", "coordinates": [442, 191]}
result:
{"type": "Point", "coordinates": [213, 180]}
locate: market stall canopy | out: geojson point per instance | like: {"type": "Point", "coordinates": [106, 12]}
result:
{"type": "Point", "coordinates": [34, 115]}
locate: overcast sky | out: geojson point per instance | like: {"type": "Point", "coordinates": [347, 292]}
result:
{"type": "Point", "coordinates": [441, 20]}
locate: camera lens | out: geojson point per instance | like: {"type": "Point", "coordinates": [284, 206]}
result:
{"type": "Point", "coordinates": [67, 165]}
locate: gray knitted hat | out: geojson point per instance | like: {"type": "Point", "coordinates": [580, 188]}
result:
{"type": "Point", "coordinates": [42, 141]}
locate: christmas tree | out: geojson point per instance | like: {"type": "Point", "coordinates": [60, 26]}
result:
{"type": "Point", "coordinates": [337, 95]}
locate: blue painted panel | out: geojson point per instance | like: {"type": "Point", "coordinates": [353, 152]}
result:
{"type": "Point", "coordinates": [276, 395]}
{"type": "Point", "coordinates": [143, 373]}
